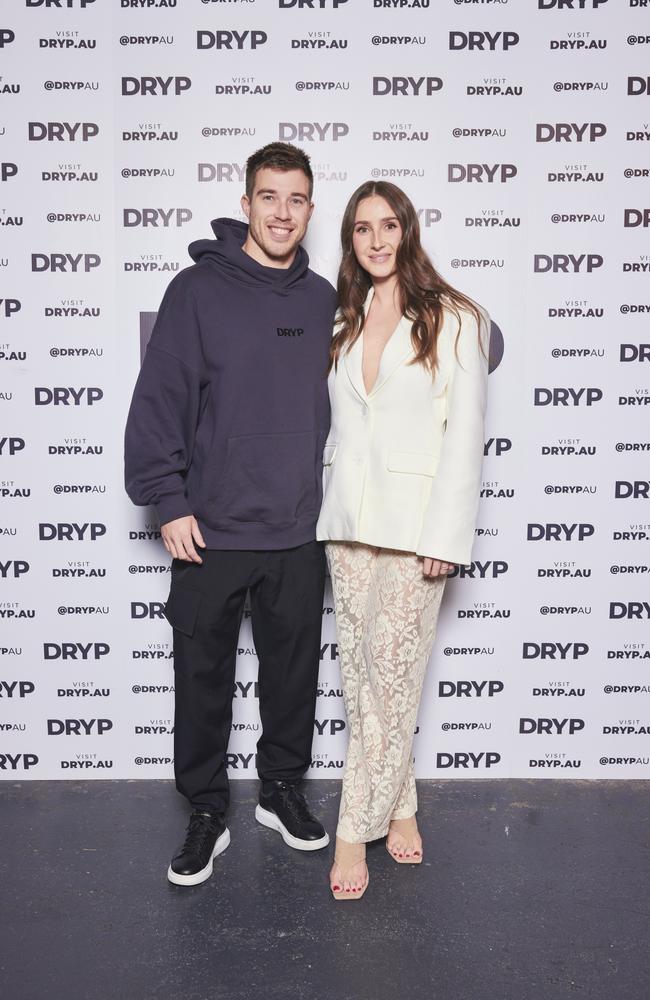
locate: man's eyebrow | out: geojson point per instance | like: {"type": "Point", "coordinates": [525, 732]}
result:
{"type": "Point", "coordinates": [294, 194]}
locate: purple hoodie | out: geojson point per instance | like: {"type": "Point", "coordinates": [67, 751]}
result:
{"type": "Point", "coordinates": [230, 411]}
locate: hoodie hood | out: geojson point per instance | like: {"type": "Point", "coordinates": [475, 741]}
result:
{"type": "Point", "coordinates": [225, 252]}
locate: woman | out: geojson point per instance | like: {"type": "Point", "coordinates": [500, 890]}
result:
{"type": "Point", "coordinates": [401, 480]}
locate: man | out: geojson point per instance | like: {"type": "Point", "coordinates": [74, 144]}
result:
{"type": "Point", "coordinates": [225, 436]}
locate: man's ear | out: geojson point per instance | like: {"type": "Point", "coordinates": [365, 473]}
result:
{"type": "Point", "coordinates": [311, 210]}
{"type": "Point", "coordinates": [246, 205]}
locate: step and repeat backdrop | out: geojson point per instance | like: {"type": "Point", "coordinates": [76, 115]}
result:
{"type": "Point", "coordinates": [520, 129]}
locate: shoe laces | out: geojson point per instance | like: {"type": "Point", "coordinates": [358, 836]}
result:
{"type": "Point", "coordinates": [199, 826]}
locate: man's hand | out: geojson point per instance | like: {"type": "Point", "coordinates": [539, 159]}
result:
{"type": "Point", "coordinates": [179, 537]}
{"type": "Point", "coordinates": [436, 567]}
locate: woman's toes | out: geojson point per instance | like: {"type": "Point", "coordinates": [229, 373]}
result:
{"type": "Point", "coordinates": [351, 882]}
{"type": "Point", "coordinates": [403, 849]}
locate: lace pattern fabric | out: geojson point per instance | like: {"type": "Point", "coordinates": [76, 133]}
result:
{"type": "Point", "coordinates": [386, 617]}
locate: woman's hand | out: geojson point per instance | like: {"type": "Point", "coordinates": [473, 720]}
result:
{"type": "Point", "coordinates": [436, 567]}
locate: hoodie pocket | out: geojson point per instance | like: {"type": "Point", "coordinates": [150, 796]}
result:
{"type": "Point", "coordinates": [268, 479]}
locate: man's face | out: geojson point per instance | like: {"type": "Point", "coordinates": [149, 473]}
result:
{"type": "Point", "coordinates": [278, 214]}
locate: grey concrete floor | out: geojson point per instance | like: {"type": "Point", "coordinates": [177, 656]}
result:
{"type": "Point", "coordinates": [530, 890]}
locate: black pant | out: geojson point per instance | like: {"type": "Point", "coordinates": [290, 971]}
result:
{"type": "Point", "coordinates": [205, 608]}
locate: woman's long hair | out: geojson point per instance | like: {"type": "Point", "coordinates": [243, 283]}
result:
{"type": "Point", "coordinates": [424, 294]}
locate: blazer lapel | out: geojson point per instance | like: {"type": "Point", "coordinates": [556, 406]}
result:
{"type": "Point", "coordinates": [397, 350]}
{"type": "Point", "coordinates": [354, 356]}
{"type": "Point", "coordinates": [352, 361]}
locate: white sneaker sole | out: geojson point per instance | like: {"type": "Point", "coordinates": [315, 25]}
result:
{"type": "Point", "coordinates": [221, 844]}
{"type": "Point", "coordinates": [273, 822]}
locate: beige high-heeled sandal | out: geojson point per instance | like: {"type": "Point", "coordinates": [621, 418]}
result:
{"type": "Point", "coordinates": [340, 892]}
{"type": "Point", "coordinates": [413, 860]}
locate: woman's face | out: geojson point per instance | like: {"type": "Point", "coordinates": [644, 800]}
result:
{"type": "Point", "coordinates": [376, 237]}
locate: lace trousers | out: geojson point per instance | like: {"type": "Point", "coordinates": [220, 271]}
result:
{"type": "Point", "coordinates": [386, 617]}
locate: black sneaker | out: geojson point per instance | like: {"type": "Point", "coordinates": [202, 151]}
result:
{"type": "Point", "coordinates": [207, 836]}
{"type": "Point", "coordinates": [283, 808]}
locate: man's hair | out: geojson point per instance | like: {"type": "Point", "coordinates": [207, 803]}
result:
{"type": "Point", "coordinates": [278, 156]}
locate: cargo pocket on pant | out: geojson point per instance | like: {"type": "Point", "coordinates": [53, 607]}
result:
{"type": "Point", "coordinates": [182, 610]}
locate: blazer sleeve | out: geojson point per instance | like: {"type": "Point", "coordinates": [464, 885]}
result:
{"type": "Point", "coordinates": [450, 516]}
{"type": "Point", "coordinates": [164, 411]}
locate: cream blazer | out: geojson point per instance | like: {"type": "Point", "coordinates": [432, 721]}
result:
{"type": "Point", "coordinates": [402, 464]}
